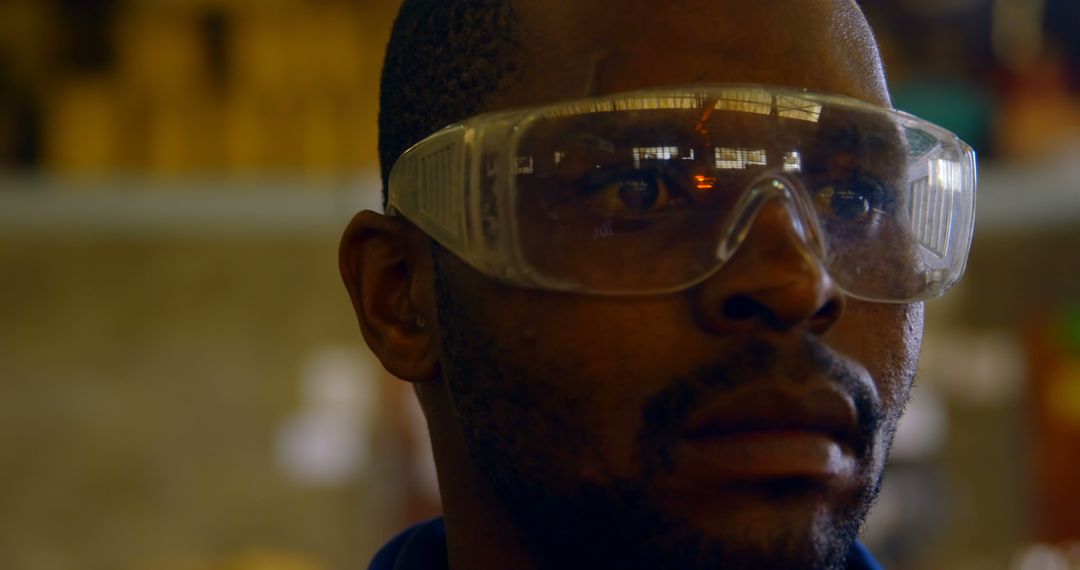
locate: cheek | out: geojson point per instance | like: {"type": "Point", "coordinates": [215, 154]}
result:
{"type": "Point", "coordinates": [596, 364]}
{"type": "Point", "coordinates": [886, 339]}
{"type": "Point", "coordinates": [902, 359]}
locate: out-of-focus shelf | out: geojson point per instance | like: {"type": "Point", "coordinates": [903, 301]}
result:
{"type": "Point", "coordinates": [184, 207]}
{"type": "Point", "coordinates": [1011, 198]}
{"type": "Point", "coordinates": [1024, 197]}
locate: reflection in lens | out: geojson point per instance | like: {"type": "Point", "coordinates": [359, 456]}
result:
{"type": "Point", "coordinates": [635, 198]}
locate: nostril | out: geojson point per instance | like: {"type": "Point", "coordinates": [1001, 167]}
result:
{"type": "Point", "coordinates": [781, 312]}
{"type": "Point", "coordinates": [829, 311]}
{"type": "Point", "coordinates": [742, 307]}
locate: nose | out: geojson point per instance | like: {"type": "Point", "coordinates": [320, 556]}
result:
{"type": "Point", "coordinates": [773, 280]}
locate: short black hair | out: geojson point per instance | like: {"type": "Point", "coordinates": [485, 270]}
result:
{"type": "Point", "coordinates": [444, 59]}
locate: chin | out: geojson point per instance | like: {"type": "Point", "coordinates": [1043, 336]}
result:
{"type": "Point", "coordinates": [774, 524]}
{"type": "Point", "coordinates": [778, 525]}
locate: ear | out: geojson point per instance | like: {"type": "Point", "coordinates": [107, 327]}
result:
{"type": "Point", "coordinates": [387, 268]}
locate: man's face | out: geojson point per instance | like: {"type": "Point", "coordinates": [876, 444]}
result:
{"type": "Point", "coordinates": [686, 429]}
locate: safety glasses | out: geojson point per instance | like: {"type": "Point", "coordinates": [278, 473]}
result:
{"type": "Point", "coordinates": [651, 192]}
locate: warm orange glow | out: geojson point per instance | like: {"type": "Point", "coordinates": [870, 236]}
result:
{"type": "Point", "coordinates": [704, 182]}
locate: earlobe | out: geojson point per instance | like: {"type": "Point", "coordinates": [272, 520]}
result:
{"type": "Point", "coordinates": [386, 266]}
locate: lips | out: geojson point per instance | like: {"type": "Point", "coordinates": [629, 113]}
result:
{"type": "Point", "coordinates": [825, 411]}
{"type": "Point", "coordinates": [768, 434]}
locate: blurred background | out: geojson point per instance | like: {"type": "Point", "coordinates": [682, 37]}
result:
{"type": "Point", "coordinates": [182, 383]}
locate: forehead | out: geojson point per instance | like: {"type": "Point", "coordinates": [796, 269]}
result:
{"type": "Point", "coordinates": [580, 48]}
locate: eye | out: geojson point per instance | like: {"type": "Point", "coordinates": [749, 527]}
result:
{"type": "Point", "coordinates": [854, 199]}
{"type": "Point", "coordinates": [633, 195]}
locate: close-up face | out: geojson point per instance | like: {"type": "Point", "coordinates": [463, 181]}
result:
{"type": "Point", "coordinates": [744, 419]}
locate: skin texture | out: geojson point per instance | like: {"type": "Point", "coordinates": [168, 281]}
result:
{"type": "Point", "coordinates": [555, 418]}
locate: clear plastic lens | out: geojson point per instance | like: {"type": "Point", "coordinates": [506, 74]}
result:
{"type": "Point", "coordinates": [647, 192]}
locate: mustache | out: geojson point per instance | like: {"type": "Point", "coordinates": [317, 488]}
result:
{"type": "Point", "coordinates": [666, 413]}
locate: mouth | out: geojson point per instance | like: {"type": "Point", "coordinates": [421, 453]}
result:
{"type": "Point", "coordinates": [764, 434]}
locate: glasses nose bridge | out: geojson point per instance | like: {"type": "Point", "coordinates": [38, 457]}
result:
{"type": "Point", "coordinates": [764, 190]}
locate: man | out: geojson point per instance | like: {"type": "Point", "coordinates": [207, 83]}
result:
{"type": "Point", "coordinates": [664, 310]}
